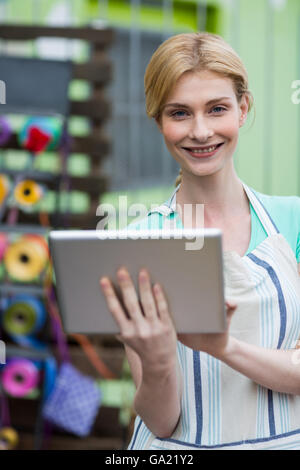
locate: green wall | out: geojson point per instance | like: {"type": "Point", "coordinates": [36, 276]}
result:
{"type": "Point", "coordinates": [268, 153]}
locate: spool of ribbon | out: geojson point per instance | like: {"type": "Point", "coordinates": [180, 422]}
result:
{"type": "Point", "coordinates": [5, 186]}
{"type": "Point", "coordinates": [40, 241]}
{"type": "Point", "coordinates": [9, 438]}
{"type": "Point", "coordinates": [40, 133]}
{"type": "Point", "coordinates": [3, 244]}
{"type": "Point", "coordinates": [24, 315]}
{"type": "Point", "coordinates": [26, 258]}
{"type": "Point", "coordinates": [20, 377]}
{"type": "Point", "coordinates": [5, 131]}
{"type": "Point", "coordinates": [50, 374]}
{"type": "Point", "coordinates": [28, 193]}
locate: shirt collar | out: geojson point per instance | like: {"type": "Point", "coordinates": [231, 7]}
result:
{"type": "Point", "coordinates": [168, 207]}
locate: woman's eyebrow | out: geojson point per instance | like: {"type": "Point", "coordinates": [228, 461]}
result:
{"type": "Point", "coordinates": [182, 105]}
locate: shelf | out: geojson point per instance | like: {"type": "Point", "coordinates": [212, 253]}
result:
{"type": "Point", "coordinates": [101, 37]}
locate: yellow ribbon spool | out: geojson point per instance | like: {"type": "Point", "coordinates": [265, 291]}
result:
{"type": "Point", "coordinates": [4, 187]}
{"type": "Point", "coordinates": [9, 438]}
{"type": "Point", "coordinates": [26, 258]}
{"type": "Point", "coordinates": [27, 193]}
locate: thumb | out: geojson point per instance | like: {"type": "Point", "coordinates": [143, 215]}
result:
{"type": "Point", "coordinates": [119, 338]}
{"type": "Point", "coordinates": [230, 304]}
{"type": "Point", "coordinates": [230, 309]}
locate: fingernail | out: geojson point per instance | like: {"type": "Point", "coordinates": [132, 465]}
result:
{"type": "Point", "coordinates": [143, 275]}
{"type": "Point", "coordinates": [122, 274]}
{"type": "Point", "coordinates": [104, 281]}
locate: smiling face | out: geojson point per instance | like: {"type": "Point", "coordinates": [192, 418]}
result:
{"type": "Point", "coordinates": [200, 122]}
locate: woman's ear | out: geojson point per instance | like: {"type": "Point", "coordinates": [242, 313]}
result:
{"type": "Point", "coordinates": [244, 106]}
{"type": "Point", "coordinates": [158, 122]}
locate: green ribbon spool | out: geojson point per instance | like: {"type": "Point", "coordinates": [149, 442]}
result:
{"type": "Point", "coordinates": [19, 319]}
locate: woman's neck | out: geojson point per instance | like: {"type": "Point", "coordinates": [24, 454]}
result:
{"type": "Point", "coordinates": [222, 194]}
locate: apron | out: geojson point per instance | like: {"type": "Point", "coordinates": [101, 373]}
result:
{"type": "Point", "coordinates": [221, 408]}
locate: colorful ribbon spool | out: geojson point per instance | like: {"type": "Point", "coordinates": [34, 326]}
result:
{"type": "Point", "coordinates": [9, 438]}
{"type": "Point", "coordinates": [27, 194]}
{"type": "Point", "coordinates": [3, 244]}
{"type": "Point", "coordinates": [20, 377]}
{"type": "Point", "coordinates": [5, 131]}
{"type": "Point", "coordinates": [24, 315]}
{"type": "Point", "coordinates": [50, 374]}
{"type": "Point", "coordinates": [40, 133]}
{"type": "Point", "coordinates": [26, 258]}
{"type": "Point", "coordinates": [5, 186]}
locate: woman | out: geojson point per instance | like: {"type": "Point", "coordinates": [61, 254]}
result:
{"type": "Point", "coordinates": [239, 389]}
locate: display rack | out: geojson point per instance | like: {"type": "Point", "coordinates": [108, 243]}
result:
{"type": "Point", "coordinates": [97, 71]}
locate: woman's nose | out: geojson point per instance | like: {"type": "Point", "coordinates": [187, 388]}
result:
{"type": "Point", "coordinates": [200, 129]}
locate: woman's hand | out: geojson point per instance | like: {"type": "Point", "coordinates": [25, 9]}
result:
{"type": "Point", "coordinates": [214, 344]}
{"type": "Point", "coordinates": [145, 324]}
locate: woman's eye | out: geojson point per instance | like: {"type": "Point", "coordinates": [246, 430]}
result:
{"type": "Point", "coordinates": [181, 113]}
{"type": "Point", "coordinates": [178, 114]}
{"type": "Point", "coordinates": [219, 108]}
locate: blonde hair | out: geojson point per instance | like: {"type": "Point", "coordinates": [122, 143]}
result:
{"type": "Point", "coordinates": [189, 52]}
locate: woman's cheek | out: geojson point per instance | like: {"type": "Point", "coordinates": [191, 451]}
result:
{"type": "Point", "coordinates": [233, 127]}
{"type": "Point", "coordinates": [174, 132]}
{"type": "Point", "coordinates": [229, 126]}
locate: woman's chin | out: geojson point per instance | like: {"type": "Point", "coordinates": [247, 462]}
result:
{"type": "Point", "coordinates": [198, 172]}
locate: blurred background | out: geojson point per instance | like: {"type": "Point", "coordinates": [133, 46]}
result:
{"type": "Point", "coordinates": [74, 134]}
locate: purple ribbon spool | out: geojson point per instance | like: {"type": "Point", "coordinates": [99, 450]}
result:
{"type": "Point", "coordinates": [5, 131]}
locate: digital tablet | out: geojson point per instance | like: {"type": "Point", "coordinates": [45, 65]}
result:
{"type": "Point", "coordinates": [188, 263]}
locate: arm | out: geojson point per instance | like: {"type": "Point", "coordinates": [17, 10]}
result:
{"type": "Point", "coordinates": [134, 364]}
{"type": "Point", "coordinates": [276, 369]}
{"type": "Point", "coordinates": [150, 340]}
{"type": "Point", "coordinates": [155, 398]}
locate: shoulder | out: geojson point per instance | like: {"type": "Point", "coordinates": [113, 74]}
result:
{"type": "Point", "coordinates": [285, 213]}
{"type": "Point", "coordinates": [156, 215]}
{"type": "Point", "coordinates": [281, 207]}
{"type": "Point", "coordinates": [282, 201]}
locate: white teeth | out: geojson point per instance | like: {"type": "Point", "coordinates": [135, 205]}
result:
{"type": "Point", "coordinates": [208, 150]}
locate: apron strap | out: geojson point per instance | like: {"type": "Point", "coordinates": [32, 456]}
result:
{"type": "Point", "coordinates": [263, 215]}
{"type": "Point", "coordinates": [170, 206]}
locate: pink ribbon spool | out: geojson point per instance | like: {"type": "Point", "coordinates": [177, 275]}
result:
{"type": "Point", "coordinates": [3, 244]}
{"type": "Point", "coordinates": [20, 377]}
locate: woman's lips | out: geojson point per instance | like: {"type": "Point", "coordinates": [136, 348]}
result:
{"type": "Point", "coordinates": [202, 154]}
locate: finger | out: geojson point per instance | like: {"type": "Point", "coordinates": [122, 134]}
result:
{"type": "Point", "coordinates": [161, 303]}
{"type": "Point", "coordinates": [113, 304]}
{"type": "Point", "coordinates": [146, 295]}
{"type": "Point", "coordinates": [230, 305]}
{"type": "Point", "coordinates": [230, 309]}
{"type": "Point", "coordinates": [129, 294]}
